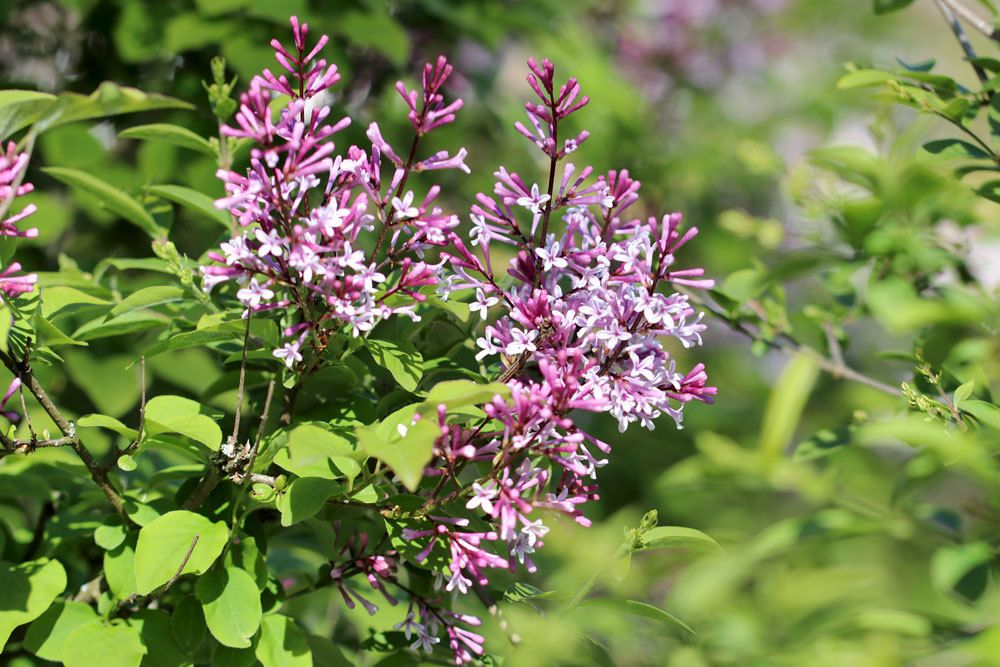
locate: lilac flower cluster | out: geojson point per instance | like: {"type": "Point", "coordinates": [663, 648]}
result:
{"type": "Point", "coordinates": [586, 316]}
{"type": "Point", "coordinates": [12, 167]}
{"type": "Point", "coordinates": [13, 282]}
{"type": "Point", "coordinates": [588, 301]}
{"type": "Point", "coordinates": [304, 209]}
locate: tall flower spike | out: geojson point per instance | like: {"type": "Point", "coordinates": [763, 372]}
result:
{"type": "Point", "coordinates": [12, 169]}
{"type": "Point", "coordinates": [588, 310]}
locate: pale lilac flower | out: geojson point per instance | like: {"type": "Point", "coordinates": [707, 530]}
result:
{"type": "Point", "coordinates": [289, 352]}
{"type": "Point", "coordinates": [534, 201]}
{"type": "Point", "coordinates": [483, 303]}
{"type": "Point", "coordinates": [404, 207]}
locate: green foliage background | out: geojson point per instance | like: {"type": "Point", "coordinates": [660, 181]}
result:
{"type": "Point", "coordinates": [851, 522]}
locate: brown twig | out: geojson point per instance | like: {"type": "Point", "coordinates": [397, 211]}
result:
{"type": "Point", "coordinates": [242, 384]}
{"type": "Point", "coordinates": [97, 473]}
{"type": "Point", "coordinates": [214, 475]}
{"type": "Point", "coordinates": [973, 19]}
{"type": "Point", "coordinates": [204, 488]}
{"type": "Point", "coordinates": [134, 445]}
{"type": "Point", "coordinates": [788, 345]}
{"type": "Point", "coordinates": [963, 40]}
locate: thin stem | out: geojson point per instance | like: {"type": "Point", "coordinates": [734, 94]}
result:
{"type": "Point", "coordinates": [553, 161]}
{"type": "Point", "coordinates": [788, 345]}
{"type": "Point", "coordinates": [242, 384]}
{"type": "Point", "coordinates": [975, 137]}
{"type": "Point", "coordinates": [134, 445]}
{"type": "Point", "coordinates": [973, 19]}
{"type": "Point", "coordinates": [204, 488]}
{"type": "Point", "coordinates": [963, 39]}
{"type": "Point", "coordinates": [399, 191]}
{"type": "Point", "coordinates": [97, 473]}
{"type": "Point", "coordinates": [250, 475]}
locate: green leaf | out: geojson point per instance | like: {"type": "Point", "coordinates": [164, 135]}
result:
{"type": "Point", "coordinates": [886, 6]}
{"type": "Point", "coordinates": [231, 602]}
{"type": "Point", "coordinates": [60, 300]}
{"type": "Point", "coordinates": [963, 392]}
{"type": "Point", "coordinates": [162, 648]}
{"type": "Point", "coordinates": [636, 608]}
{"type": "Point", "coordinates": [176, 414]}
{"type": "Point", "coordinates": [164, 542]}
{"type": "Point", "coordinates": [282, 643]}
{"type": "Point", "coordinates": [110, 534]}
{"type": "Point", "coordinates": [785, 404]}
{"type": "Point", "coordinates": [987, 413]}
{"type": "Point", "coordinates": [26, 591]}
{"type": "Point", "coordinates": [188, 624]}
{"type": "Point", "coordinates": [678, 537]}
{"type": "Point", "coordinates": [956, 148]}
{"type": "Point", "coordinates": [191, 199]}
{"type": "Point", "coordinates": [952, 563]}
{"type": "Point", "coordinates": [403, 446]}
{"type": "Point", "coordinates": [148, 297]}
{"type": "Point", "coordinates": [126, 463]}
{"type": "Point", "coordinates": [863, 78]}
{"type": "Point", "coordinates": [191, 339]}
{"type": "Point", "coordinates": [522, 592]}
{"type": "Point", "coordinates": [109, 99]}
{"type": "Point", "coordinates": [120, 326]}
{"type": "Point", "coordinates": [99, 643]}
{"type": "Point", "coordinates": [171, 134]}
{"type": "Point", "coordinates": [990, 190]}
{"type": "Point", "coordinates": [315, 452]}
{"type": "Point", "coordinates": [6, 323]}
{"type": "Point", "coordinates": [402, 361]}
{"type": "Point", "coordinates": [109, 423]}
{"type": "Point", "coordinates": [48, 334]}
{"type": "Point", "coordinates": [460, 393]}
{"type": "Point", "coordinates": [822, 443]}
{"type": "Point", "coordinates": [119, 568]}
{"type": "Point", "coordinates": [111, 197]}
{"type": "Point", "coordinates": [47, 633]}
{"type": "Point", "coordinates": [305, 497]}
{"type": "Point", "coordinates": [326, 653]}
{"type": "Point", "coordinates": [18, 105]}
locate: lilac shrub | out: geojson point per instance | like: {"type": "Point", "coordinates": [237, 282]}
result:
{"type": "Point", "coordinates": [335, 242]}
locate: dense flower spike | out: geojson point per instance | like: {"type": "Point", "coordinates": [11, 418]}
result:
{"type": "Point", "coordinates": [305, 209]}
{"type": "Point", "coordinates": [589, 300]}
{"type": "Point", "coordinates": [12, 167]}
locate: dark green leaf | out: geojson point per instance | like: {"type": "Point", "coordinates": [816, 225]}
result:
{"type": "Point", "coordinates": [26, 591]}
{"type": "Point", "coordinates": [231, 602]}
{"type": "Point", "coordinates": [164, 543]}
{"type": "Point", "coordinates": [172, 134]}
{"type": "Point", "coordinates": [111, 198]}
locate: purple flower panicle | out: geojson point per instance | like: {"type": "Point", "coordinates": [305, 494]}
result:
{"type": "Point", "coordinates": [581, 320]}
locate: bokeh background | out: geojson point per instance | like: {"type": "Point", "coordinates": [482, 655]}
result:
{"type": "Point", "coordinates": [717, 107]}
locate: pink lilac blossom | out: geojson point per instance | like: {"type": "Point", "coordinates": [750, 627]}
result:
{"type": "Point", "coordinates": [590, 300]}
{"type": "Point", "coordinates": [13, 282]}
{"type": "Point", "coordinates": [12, 167]}
{"type": "Point", "coordinates": [304, 208]}
{"type": "Point", "coordinates": [586, 320]}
